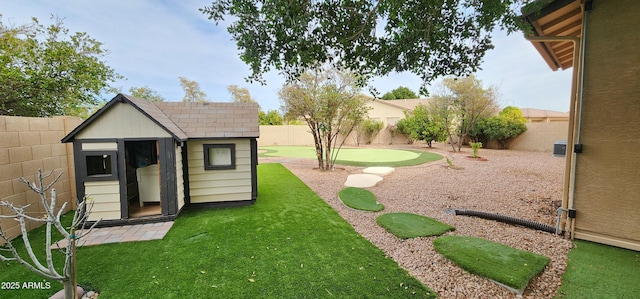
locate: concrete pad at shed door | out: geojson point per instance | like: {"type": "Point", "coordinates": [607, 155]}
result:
{"type": "Point", "coordinates": [379, 170]}
{"type": "Point", "coordinates": [362, 180]}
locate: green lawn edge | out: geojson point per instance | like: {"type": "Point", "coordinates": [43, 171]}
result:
{"type": "Point", "coordinates": [408, 225]}
{"type": "Point", "coordinates": [424, 157]}
{"type": "Point", "coordinates": [360, 199]}
{"type": "Point", "coordinates": [600, 271]}
{"type": "Point", "coordinates": [509, 266]}
{"type": "Point", "coordinates": [289, 244]}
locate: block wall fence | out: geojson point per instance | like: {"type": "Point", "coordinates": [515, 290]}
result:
{"type": "Point", "coordinates": [26, 145]}
{"type": "Point", "coordinates": [540, 136]}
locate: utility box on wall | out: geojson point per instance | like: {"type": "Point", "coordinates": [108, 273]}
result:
{"type": "Point", "coordinates": [559, 148]}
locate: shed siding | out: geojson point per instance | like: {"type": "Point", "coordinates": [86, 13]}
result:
{"type": "Point", "coordinates": [206, 186]}
{"type": "Point", "coordinates": [106, 199]}
{"type": "Point", "coordinates": [606, 187]}
{"type": "Point", "coordinates": [179, 178]}
{"type": "Point", "coordinates": [122, 121]}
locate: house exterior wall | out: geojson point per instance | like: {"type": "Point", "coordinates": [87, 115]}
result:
{"type": "Point", "coordinates": [122, 121]}
{"type": "Point", "coordinates": [211, 186]}
{"type": "Point", "coordinates": [26, 145]}
{"type": "Point", "coordinates": [388, 115]}
{"type": "Point", "coordinates": [607, 187]}
{"type": "Point", "coordinates": [106, 199]}
{"type": "Point", "coordinates": [179, 178]}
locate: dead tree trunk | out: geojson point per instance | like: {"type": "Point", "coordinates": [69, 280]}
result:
{"type": "Point", "coordinates": [51, 218]}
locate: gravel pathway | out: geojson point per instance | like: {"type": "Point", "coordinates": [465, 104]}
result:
{"type": "Point", "coordinates": [527, 185]}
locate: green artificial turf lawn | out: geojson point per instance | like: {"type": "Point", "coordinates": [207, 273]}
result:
{"type": "Point", "coordinates": [407, 225]}
{"type": "Point", "coordinates": [360, 199]}
{"type": "Point", "coordinates": [289, 244]}
{"type": "Point", "coordinates": [600, 271]}
{"type": "Point", "coordinates": [509, 266]}
{"type": "Point", "coordinates": [356, 156]}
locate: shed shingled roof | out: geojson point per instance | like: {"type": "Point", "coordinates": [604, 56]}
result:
{"type": "Point", "coordinates": [213, 120]}
{"type": "Point", "coordinates": [190, 120]}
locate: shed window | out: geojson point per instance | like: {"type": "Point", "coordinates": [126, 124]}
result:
{"type": "Point", "coordinates": [219, 156]}
{"type": "Point", "coordinates": [101, 166]}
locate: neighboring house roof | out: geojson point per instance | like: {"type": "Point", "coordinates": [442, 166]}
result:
{"type": "Point", "coordinates": [557, 18]}
{"type": "Point", "coordinates": [190, 120]}
{"type": "Point", "coordinates": [406, 105]}
{"type": "Point", "coordinates": [532, 113]}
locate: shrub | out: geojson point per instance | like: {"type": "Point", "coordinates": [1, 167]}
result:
{"type": "Point", "coordinates": [476, 146]}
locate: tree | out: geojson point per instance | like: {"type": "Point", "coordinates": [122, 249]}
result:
{"type": "Point", "coordinates": [430, 38]}
{"type": "Point", "coordinates": [465, 102]}
{"type": "Point", "coordinates": [146, 93]}
{"type": "Point", "coordinates": [240, 94]}
{"type": "Point", "coordinates": [51, 219]}
{"type": "Point", "coordinates": [368, 129]}
{"type": "Point", "coordinates": [502, 128]}
{"type": "Point", "coordinates": [330, 103]}
{"type": "Point", "coordinates": [46, 71]}
{"type": "Point", "coordinates": [399, 94]}
{"type": "Point", "coordinates": [271, 118]}
{"type": "Point", "coordinates": [192, 92]}
{"type": "Point", "coordinates": [419, 126]}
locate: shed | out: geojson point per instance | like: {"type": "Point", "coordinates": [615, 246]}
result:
{"type": "Point", "coordinates": [142, 161]}
{"type": "Point", "coordinates": [599, 40]}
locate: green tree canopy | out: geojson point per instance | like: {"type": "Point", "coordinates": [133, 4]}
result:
{"type": "Point", "coordinates": [460, 105]}
{"type": "Point", "coordinates": [430, 38]}
{"type": "Point", "coordinates": [192, 91]}
{"type": "Point", "coordinates": [46, 71]}
{"type": "Point", "coordinates": [419, 125]}
{"type": "Point", "coordinates": [270, 118]}
{"type": "Point", "coordinates": [399, 94]}
{"type": "Point", "coordinates": [145, 92]}
{"type": "Point", "coordinates": [330, 103]}
{"type": "Point", "coordinates": [503, 128]}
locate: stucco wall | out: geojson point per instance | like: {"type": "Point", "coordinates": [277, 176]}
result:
{"type": "Point", "coordinates": [607, 187]}
{"type": "Point", "coordinates": [26, 145]}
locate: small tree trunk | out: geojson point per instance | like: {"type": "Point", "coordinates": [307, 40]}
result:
{"type": "Point", "coordinates": [70, 291]}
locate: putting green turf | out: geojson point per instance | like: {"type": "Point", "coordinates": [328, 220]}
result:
{"type": "Point", "coordinates": [356, 156]}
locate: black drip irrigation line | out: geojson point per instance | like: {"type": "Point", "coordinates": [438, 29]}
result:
{"type": "Point", "coordinates": [507, 219]}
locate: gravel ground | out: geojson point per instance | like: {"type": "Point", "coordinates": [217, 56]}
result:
{"type": "Point", "coordinates": [526, 185]}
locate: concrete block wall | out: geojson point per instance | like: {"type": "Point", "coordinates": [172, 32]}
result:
{"type": "Point", "coordinates": [539, 136]}
{"type": "Point", "coordinates": [26, 145]}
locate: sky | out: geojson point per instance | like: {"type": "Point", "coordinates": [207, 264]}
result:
{"type": "Point", "coordinates": [152, 43]}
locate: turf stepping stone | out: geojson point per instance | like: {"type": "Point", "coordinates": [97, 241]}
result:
{"type": "Point", "coordinates": [407, 225]}
{"type": "Point", "coordinates": [359, 199]}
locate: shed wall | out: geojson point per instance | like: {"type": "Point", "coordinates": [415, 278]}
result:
{"type": "Point", "coordinates": [105, 196]}
{"type": "Point", "coordinates": [207, 186]}
{"type": "Point", "coordinates": [607, 185]}
{"type": "Point", "coordinates": [122, 121]}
